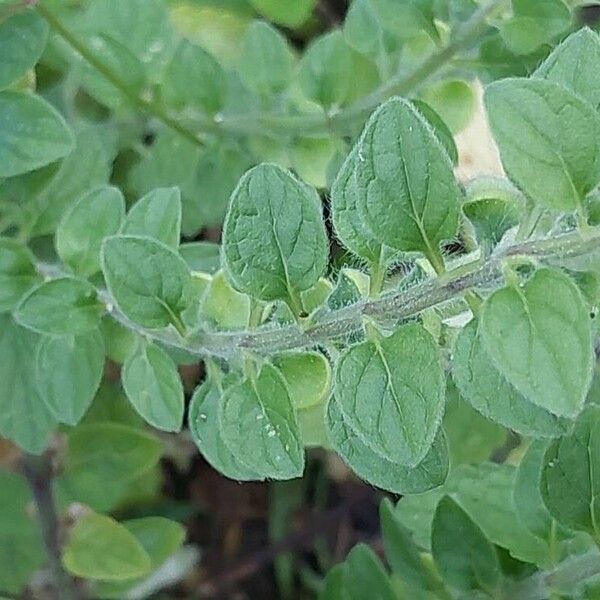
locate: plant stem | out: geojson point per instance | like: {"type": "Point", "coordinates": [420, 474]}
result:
{"type": "Point", "coordinates": [38, 471]}
{"type": "Point", "coordinates": [275, 124]}
{"type": "Point", "coordinates": [151, 108]}
{"type": "Point", "coordinates": [269, 339]}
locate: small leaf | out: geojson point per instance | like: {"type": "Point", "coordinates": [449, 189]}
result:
{"type": "Point", "coordinates": [549, 140]}
{"type": "Point", "coordinates": [22, 39]}
{"type": "Point", "coordinates": [392, 393]}
{"type": "Point", "coordinates": [365, 576]}
{"type": "Point", "coordinates": [266, 62]}
{"type": "Point", "coordinates": [308, 377]}
{"type": "Point", "coordinates": [539, 336]}
{"type": "Point", "coordinates": [466, 559]}
{"type": "Point", "coordinates": [61, 306]}
{"type": "Point", "coordinates": [325, 72]}
{"type": "Point", "coordinates": [153, 386]}
{"type": "Point", "coordinates": [205, 430]}
{"type": "Point", "coordinates": [289, 13]}
{"type": "Point", "coordinates": [570, 483]}
{"type": "Point", "coordinates": [100, 548]}
{"type": "Point", "coordinates": [223, 307]}
{"type": "Point", "coordinates": [573, 64]}
{"type": "Point", "coordinates": [430, 473]}
{"type": "Point", "coordinates": [194, 77]}
{"type": "Point", "coordinates": [203, 257]}
{"type": "Point", "coordinates": [159, 537]}
{"type": "Point", "coordinates": [274, 239]}
{"type": "Point", "coordinates": [453, 100]}
{"type": "Point", "coordinates": [149, 281]}
{"type": "Point", "coordinates": [489, 392]}
{"type": "Point", "coordinates": [68, 373]}
{"type": "Point", "coordinates": [32, 134]}
{"type": "Point", "coordinates": [24, 417]}
{"type": "Point", "coordinates": [407, 195]}
{"type": "Point", "coordinates": [259, 426]}
{"type": "Point", "coordinates": [93, 217]}
{"type": "Point", "coordinates": [17, 273]}
{"type": "Point", "coordinates": [156, 215]}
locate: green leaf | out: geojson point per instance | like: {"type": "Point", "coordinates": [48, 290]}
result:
{"type": "Point", "coordinates": [464, 556]}
{"type": "Point", "coordinates": [17, 273]}
{"type": "Point", "coordinates": [266, 62]}
{"type": "Point", "coordinates": [401, 551]}
{"type": "Point", "coordinates": [378, 471]}
{"type": "Point", "coordinates": [203, 257]}
{"type": "Point", "coordinates": [153, 386]}
{"type": "Point", "coordinates": [540, 338]}
{"type": "Point", "coordinates": [22, 39]}
{"type": "Point", "coordinates": [485, 492]}
{"type": "Point", "coordinates": [32, 134]}
{"type": "Point", "coordinates": [489, 392]}
{"type": "Point", "coordinates": [259, 426]}
{"type": "Point", "coordinates": [94, 216]}
{"type": "Point", "coordinates": [334, 587]}
{"type": "Point", "coordinates": [471, 437]}
{"type": "Point", "coordinates": [24, 417]}
{"type": "Point", "coordinates": [453, 100]}
{"type": "Point", "coordinates": [549, 140]}
{"type": "Point", "coordinates": [148, 280]}
{"type": "Point", "coordinates": [103, 459]}
{"type": "Point", "coordinates": [68, 373]}
{"type": "Point", "coordinates": [439, 127]}
{"type": "Point", "coordinates": [347, 221]}
{"type": "Point", "coordinates": [100, 548]}
{"type": "Point", "coordinates": [290, 13]}
{"type": "Point", "coordinates": [527, 496]}
{"type": "Point", "coordinates": [205, 429]}
{"type": "Point", "coordinates": [573, 64]}
{"type": "Point", "coordinates": [365, 576]}
{"type": "Point", "coordinates": [308, 377]}
{"type": "Point", "coordinates": [569, 480]}
{"type": "Point", "coordinates": [223, 307]}
{"type": "Point", "coordinates": [392, 393]}
{"type": "Point", "coordinates": [159, 537]}
{"type": "Point", "coordinates": [60, 306]}
{"type": "Point", "coordinates": [21, 549]}
{"type": "Point", "coordinates": [194, 77]}
{"type": "Point", "coordinates": [407, 195]}
{"type": "Point", "coordinates": [325, 73]}
{"type": "Point", "coordinates": [157, 215]}
{"type": "Point", "coordinates": [274, 239]}
{"type": "Point", "coordinates": [534, 23]}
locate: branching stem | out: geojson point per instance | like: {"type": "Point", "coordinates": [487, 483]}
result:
{"type": "Point", "coordinates": [269, 339]}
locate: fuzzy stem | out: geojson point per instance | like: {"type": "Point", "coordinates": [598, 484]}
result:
{"type": "Point", "coordinates": [269, 340]}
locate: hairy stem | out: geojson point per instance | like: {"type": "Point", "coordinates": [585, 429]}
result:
{"type": "Point", "coordinates": [398, 304]}
{"type": "Point", "coordinates": [272, 124]}
{"type": "Point", "coordinates": [38, 471]}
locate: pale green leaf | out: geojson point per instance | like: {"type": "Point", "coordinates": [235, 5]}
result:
{"type": "Point", "coordinates": [378, 471]}
{"type": "Point", "coordinates": [466, 559]}
{"type": "Point", "coordinates": [204, 427]}
{"type": "Point", "coordinates": [148, 280]}
{"type": "Point", "coordinates": [407, 195]}
{"type": "Point", "coordinates": [259, 426]}
{"type": "Point", "coordinates": [93, 217]}
{"type": "Point", "coordinates": [157, 215]}
{"type": "Point", "coordinates": [68, 372]}
{"type": "Point", "coordinates": [489, 392]}
{"type": "Point", "coordinates": [453, 100]}
{"type": "Point", "coordinates": [290, 13]}
{"type": "Point", "coordinates": [274, 239]}
{"type": "Point", "coordinates": [22, 39]}
{"type": "Point", "coordinates": [17, 273]}
{"type": "Point", "coordinates": [540, 338]}
{"type": "Point", "coordinates": [32, 133]}
{"type": "Point", "coordinates": [60, 306]}
{"type": "Point", "coordinates": [203, 257]}
{"type": "Point", "coordinates": [24, 417]}
{"type": "Point", "coordinates": [549, 140]}
{"type": "Point", "coordinates": [392, 393]}
{"type": "Point", "coordinates": [224, 307]}
{"type": "Point", "coordinates": [100, 548]}
{"type": "Point", "coordinates": [365, 576]}
{"type": "Point", "coordinates": [154, 388]}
